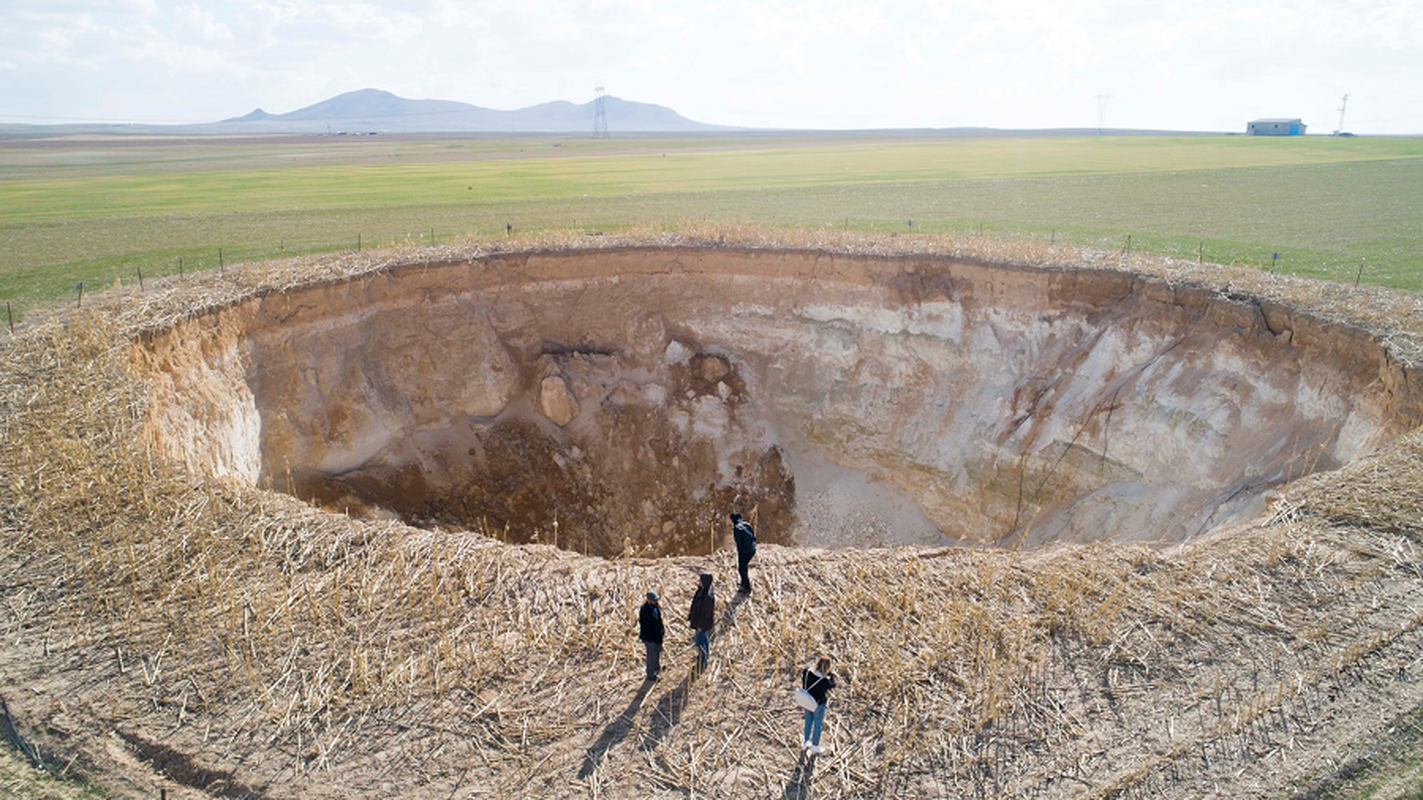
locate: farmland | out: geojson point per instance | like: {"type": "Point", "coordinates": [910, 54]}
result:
{"type": "Point", "coordinates": [96, 211]}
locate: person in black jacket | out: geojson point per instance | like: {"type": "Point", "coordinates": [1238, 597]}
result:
{"type": "Point", "coordinates": [650, 631]}
{"type": "Point", "coordinates": [702, 618]}
{"type": "Point", "coordinates": [818, 682]}
{"type": "Point", "coordinates": [745, 537]}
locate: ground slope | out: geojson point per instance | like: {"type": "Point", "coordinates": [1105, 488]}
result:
{"type": "Point", "coordinates": [250, 645]}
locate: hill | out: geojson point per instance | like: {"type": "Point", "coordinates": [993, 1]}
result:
{"type": "Point", "coordinates": [377, 111]}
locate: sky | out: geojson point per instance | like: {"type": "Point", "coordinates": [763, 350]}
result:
{"type": "Point", "coordinates": [1208, 65]}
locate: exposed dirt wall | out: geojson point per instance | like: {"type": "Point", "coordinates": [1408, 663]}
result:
{"type": "Point", "coordinates": [626, 399]}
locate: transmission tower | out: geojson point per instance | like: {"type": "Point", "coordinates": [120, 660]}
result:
{"type": "Point", "coordinates": [600, 115]}
{"type": "Point", "coordinates": [1343, 104]}
{"type": "Point", "coordinates": [1101, 110]}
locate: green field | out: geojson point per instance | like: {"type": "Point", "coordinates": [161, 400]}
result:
{"type": "Point", "coordinates": [92, 210]}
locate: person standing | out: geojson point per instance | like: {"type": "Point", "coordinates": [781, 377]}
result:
{"type": "Point", "coordinates": [818, 682]}
{"type": "Point", "coordinates": [650, 631]}
{"type": "Point", "coordinates": [702, 618]}
{"type": "Point", "coordinates": [745, 537]}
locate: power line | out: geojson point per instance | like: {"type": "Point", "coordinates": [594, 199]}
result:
{"type": "Point", "coordinates": [600, 114]}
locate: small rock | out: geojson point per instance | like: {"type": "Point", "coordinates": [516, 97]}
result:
{"type": "Point", "coordinates": [555, 400]}
{"type": "Point", "coordinates": [714, 368]}
{"type": "Point", "coordinates": [677, 353]}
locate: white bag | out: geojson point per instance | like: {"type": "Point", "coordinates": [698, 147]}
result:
{"type": "Point", "coordinates": [804, 699]}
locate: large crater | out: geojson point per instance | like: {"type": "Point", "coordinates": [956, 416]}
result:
{"type": "Point", "coordinates": [622, 401]}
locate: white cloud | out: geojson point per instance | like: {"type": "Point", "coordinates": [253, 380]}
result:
{"type": "Point", "coordinates": [804, 63]}
{"type": "Point", "coordinates": [205, 24]}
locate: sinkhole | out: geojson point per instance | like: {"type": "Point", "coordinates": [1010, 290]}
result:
{"type": "Point", "coordinates": [623, 401]}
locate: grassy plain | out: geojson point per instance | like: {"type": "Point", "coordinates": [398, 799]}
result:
{"type": "Point", "coordinates": [103, 209]}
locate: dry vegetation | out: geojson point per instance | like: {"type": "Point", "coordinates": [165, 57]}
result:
{"type": "Point", "coordinates": [243, 643]}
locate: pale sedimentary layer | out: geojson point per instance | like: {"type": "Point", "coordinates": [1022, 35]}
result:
{"type": "Point", "coordinates": [625, 400]}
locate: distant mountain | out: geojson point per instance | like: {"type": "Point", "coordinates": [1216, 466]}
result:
{"type": "Point", "coordinates": [376, 111]}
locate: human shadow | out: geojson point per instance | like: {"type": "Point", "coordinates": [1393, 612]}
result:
{"type": "Point", "coordinates": [669, 709]}
{"type": "Point", "coordinates": [728, 615]}
{"type": "Point", "coordinates": [616, 731]}
{"type": "Point", "coordinates": [668, 712]}
{"type": "Point", "coordinates": [798, 784]}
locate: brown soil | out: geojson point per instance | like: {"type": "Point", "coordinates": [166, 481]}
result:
{"type": "Point", "coordinates": [627, 400]}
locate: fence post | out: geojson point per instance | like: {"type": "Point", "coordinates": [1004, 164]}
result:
{"type": "Point", "coordinates": [1128, 250]}
{"type": "Point", "coordinates": [358, 242]}
{"type": "Point", "coordinates": [140, 278]}
{"type": "Point", "coordinates": [10, 317]}
{"type": "Point", "coordinates": [1357, 278]}
{"type": "Point", "coordinates": [221, 268]}
{"type": "Point", "coordinates": [180, 266]}
{"type": "Point", "coordinates": [80, 303]}
{"type": "Point", "coordinates": [1201, 253]}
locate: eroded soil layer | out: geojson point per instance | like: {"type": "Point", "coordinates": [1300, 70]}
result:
{"type": "Point", "coordinates": [624, 401]}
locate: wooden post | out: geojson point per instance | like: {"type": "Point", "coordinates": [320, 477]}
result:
{"type": "Point", "coordinates": [220, 264]}
{"type": "Point", "coordinates": [358, 242]}
{"type": "Point", "coordinates": [283, 245]}
{"type": "Point", "coordinates": [180, 266]}
{"type": "Point", "coordinates": [11, 317]}
{"type": "Point", "coordinates": [1128, 250]}
{"type": "Point", "coordinates": [140, 278]}
{"type": "Point", "coordinates": [1357, 278]}
{"type": "Point", "coordinates": [1201, 253]}
{"type": "Point", "coordinates": [81, 295]}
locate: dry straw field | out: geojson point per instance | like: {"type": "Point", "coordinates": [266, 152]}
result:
{"type": "Point", "coordinates": [165, 630]}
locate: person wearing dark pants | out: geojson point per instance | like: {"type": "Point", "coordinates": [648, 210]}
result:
{"type": "Point", "coordinates": [745, 538]}
{"type": "Point", "coordinates": [702, 618]}
{"type": "Point", "coordinates": [818, 682]}
{"type": "Point", "coordinates": [650, 631]}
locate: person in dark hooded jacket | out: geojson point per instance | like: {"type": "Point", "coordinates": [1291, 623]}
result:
{"type": "Point", "coordinates": [702, 617]}
{"type": "Point", "coordinates": [745, 537]}
{"type": "Point", "coordinates": [651, 631]}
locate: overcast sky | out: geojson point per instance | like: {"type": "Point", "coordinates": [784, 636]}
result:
{"type": "Point", "coordinates": [1165, 64]}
